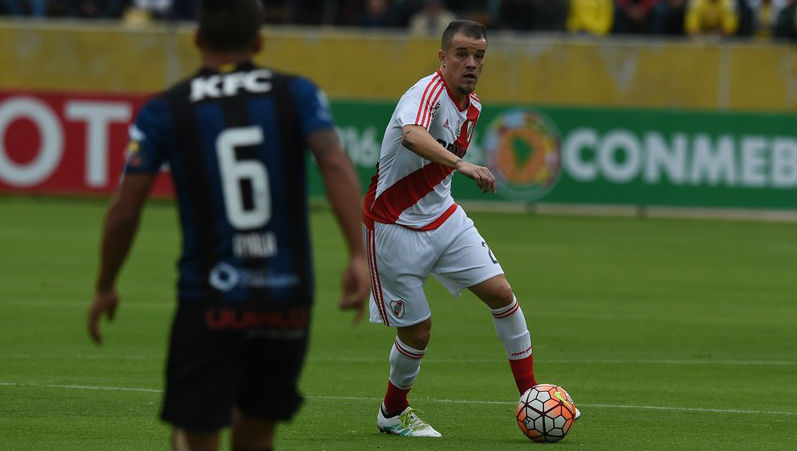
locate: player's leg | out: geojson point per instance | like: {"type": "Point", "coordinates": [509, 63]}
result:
{"type": "Point", "coordinates": [395, 415]}
{"type": "Point", "coordinates": [183, 440]}
{"type": "Point", "coordinates": [468, 262]}
{"type": "Point", "coordinates": [200, 373]}
{"type": "Point", "coordinates": [510, 326]}
{"type": "Point", "coordinates": [405, 363]}
{"type": "Point", "coordinates": [268, 388]}
{"type": "Point", "coordinates": [249, 433]}
{"type": "Point", "coordinates": [399, 261]}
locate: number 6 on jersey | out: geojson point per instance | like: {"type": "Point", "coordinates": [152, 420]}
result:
{"type": "Point", "coordinates": [234, 173]}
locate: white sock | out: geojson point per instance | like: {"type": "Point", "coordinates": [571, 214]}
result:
{"type": "Point", "coordinates": [510, 325]}
{"type": "Point", "coordinates": [405, 364]}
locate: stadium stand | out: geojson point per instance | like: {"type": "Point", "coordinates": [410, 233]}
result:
{"type": "Point", "coordinates": [753, 19]}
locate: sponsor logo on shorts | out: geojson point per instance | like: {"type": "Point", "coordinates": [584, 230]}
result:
{"type": "Point", "coordinates": [397, 307]}
{"type": "Point", "coordinates": [229, 318]}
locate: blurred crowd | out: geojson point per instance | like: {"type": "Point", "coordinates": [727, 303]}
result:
{"type": "Point", "coordinates": [762, 19]}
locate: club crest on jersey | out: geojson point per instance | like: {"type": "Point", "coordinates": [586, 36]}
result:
{"type": "Point", "coordinates": [397, 307]}
{"type": "Point", "coordinates": [134, 158]}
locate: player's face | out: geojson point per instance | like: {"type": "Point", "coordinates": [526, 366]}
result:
{"type": "Point", "coordinates": [462, 62]}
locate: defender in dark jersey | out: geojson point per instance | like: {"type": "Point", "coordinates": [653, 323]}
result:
{"type": "Point", "coordinates": [233, 137]}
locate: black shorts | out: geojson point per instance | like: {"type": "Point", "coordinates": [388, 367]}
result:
{"type": "Point", "coordinates": [221, 358]}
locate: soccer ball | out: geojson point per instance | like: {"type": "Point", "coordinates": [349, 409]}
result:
{"type": "Point", "coordinates": [545, 413]}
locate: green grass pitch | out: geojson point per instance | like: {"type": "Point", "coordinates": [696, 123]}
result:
{"type": "Point", "coordinates": [669, 334]}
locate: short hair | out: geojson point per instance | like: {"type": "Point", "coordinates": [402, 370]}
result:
{"type": "Point", "coordinates": [469, 28]}
{"type": "Point", "coordinates": [229, 25]}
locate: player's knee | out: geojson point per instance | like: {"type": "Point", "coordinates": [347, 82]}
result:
{"type": "Point", "coordinates": [250, 438]}
{"type": "Point", "coordinates": [182, 439]}
{"type": "Point", "coordinates": [500, 296]}
{"type": "Point", "coordinates": [422, 334]}
{"type": "Point", "coordinates": [251, 433]}
{"type": "Point", "coordinates": [416, 336]}
{"type": "Point", "coordinates": [506, 295]}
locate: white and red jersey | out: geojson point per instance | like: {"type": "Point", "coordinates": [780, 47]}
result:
{"type": "Point", "coordinates": [408, 189]}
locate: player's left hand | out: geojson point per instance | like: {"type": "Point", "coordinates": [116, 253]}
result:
{"type": "Point", "coordinates": [356, 287]}
{"type": "Point", "coordinates": [484, 179]}
{"type": "Point", "coordinates": [104, 302]}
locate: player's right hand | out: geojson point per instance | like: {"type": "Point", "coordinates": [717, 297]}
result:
{"type": "Point", "coordinates": [105, 301]}
{"type": "Point", "coordinates": [356, 286]}
{"type": "Point", "coordinates": [485, 179]}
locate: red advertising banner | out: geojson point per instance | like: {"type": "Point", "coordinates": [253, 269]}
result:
{"type": "Point", "coordinates": [71, 143]}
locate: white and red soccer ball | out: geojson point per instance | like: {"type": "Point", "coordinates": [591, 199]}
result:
{"type": "Point", "coordinates": [545, 413]}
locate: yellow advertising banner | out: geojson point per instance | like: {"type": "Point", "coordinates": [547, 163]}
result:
{"type": "Point", "coordinates": [553, 70]}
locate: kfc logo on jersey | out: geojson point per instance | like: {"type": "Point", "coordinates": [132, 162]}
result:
{"type": "Point", "coordinates": [398, 308]}
{"type": "Point", "coordinates": [465, 131]}
{"type": "Point", "coordinates": [227, 85]}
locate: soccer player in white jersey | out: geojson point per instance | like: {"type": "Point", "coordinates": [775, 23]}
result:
{"type": "Point", "coordinates": [414, 229]}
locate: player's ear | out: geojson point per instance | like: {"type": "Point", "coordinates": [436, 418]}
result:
{"type": "Point", "coordinates": [441, 56]}
{"type": "Point", "coordinates": [257, 44]}
{"type": "Point", "coordinates": [197, 39]}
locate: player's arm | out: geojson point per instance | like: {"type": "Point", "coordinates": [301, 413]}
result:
{"type": "Point", "coordinates": [121, 223]}
{"type": "Point", "coordinates": [417, 139]}
{"type": "Point", "coordinates": [343, 193]}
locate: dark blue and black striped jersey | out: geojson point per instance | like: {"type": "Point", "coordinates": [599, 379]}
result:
{"type": "Point", "coordinates": [235, 145]}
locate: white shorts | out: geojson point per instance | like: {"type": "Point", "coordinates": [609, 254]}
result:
{"type": "Point", "coordinates": [401, 259]}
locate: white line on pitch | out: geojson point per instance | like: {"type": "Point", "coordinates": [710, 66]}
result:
{"type": "Point", "coordinates": [692, 409]}
{"type": "Point", "coordinates": [580, 361]}
{"type": "Point", "coordinates": [612, 406]}
{"type": "Point", "coordinates": [85, 304]}
{"type": "Point", "coordinates": [431, 360]}
{"type": "Point", "coordinates": [82, 387]}
{"type": "Point", "coordinates": [81, 356]}
{"type": "Point", "coordinates": [171, 305]}
{"type": "Point", "coordinates": [98, 387]}
{"type": "Point", "coordinates": [432, 400]}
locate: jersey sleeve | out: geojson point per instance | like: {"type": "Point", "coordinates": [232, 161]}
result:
{"type": "Point", "coordinates": [312, 106]}
{"type": "Point", "coordinates": [416, 106]}
{"type": "Point", "coordinates": [146, 150]}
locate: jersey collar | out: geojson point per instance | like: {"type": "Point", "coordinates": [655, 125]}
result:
{"type": "Point", "coordinates": [239, 67]}
{"type": "Point", "coordinates": [451, 94]}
